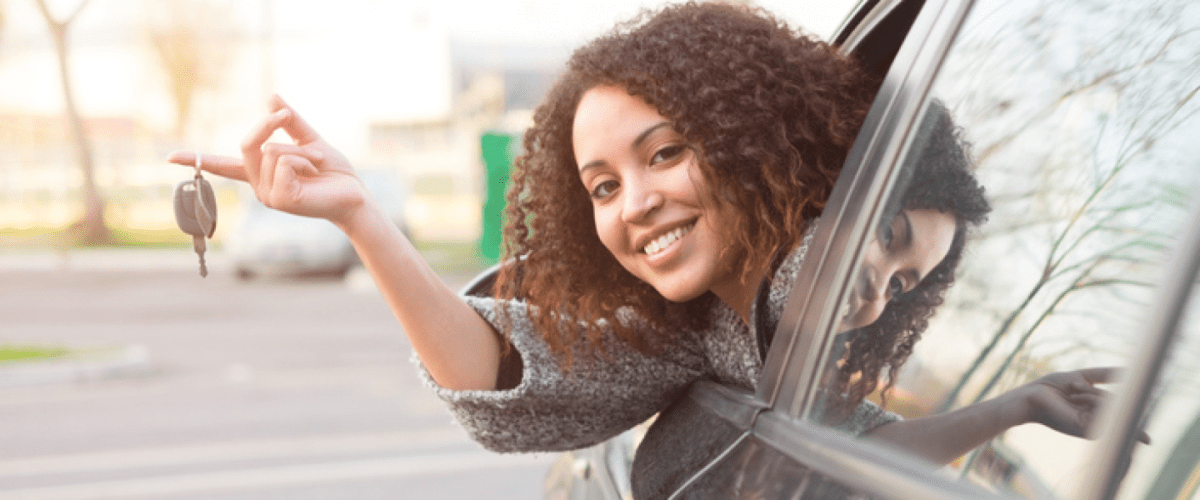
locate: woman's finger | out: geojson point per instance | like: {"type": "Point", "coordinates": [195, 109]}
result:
{"type": "Point", "coordinates": [223, 166]}
{"type": "Point", "coordinates": [253, 143]}
{"type": "Point", "coordinates": [285, 175]}
{"type": "Point", "coordinates": [1086, 401]}
{"type": "Point", "coordinates": [296, 128]}
{"type": "Point", "coordinates": [273, 153]}
{"type": "Point", "coordinates": [1100, 375]}
{"type": "Point", "coordinates": [300, 165]}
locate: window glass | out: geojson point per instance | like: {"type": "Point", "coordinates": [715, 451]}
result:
{"type": "Point", "coordinates": [1079, 119]}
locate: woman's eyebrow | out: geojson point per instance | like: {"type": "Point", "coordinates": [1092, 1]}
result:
{"type": "Point", "coordinates": [637, 141]}
{"type": "Point", "coordinates": [646, 133]}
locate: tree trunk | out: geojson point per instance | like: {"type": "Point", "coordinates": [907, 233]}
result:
{"type": "Point", "coordinates": [90, 229]}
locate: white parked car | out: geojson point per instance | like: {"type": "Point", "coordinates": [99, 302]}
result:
{"type": "Point", "coordinates": [270, 243]}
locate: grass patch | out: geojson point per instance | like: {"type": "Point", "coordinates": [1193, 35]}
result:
{"type": "Point", "coordinates": [149, 238]}
{"type": "Point", "coordinates": [119, 237]}
{"type": "Point", "coordinates": [14, 353]}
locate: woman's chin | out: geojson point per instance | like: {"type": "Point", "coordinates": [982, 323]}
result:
{"type": "Point", "coordinates": [678, 294]}
{"type": "Point", "coordinates": [850, 322]}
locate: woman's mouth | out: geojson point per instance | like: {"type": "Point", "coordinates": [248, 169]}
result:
{"type": "Point", "coordinates": [849, 309]}
{"type": "Point", "coordinates": [854, 303]}
{"type": "Point", "coordinates": [662, 242]}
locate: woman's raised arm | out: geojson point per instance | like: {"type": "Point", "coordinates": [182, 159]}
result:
{"type": "Point", "coordinates": [311, 178]}
{"type": "Point", "coordinates": [1067, 402]}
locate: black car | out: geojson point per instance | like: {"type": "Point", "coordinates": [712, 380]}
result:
{"type": "Point", "coordinates": [1084, 119]}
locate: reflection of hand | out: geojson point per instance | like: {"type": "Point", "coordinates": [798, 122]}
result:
{"type": "Point", "coordinates": [1068, 402]}
{"type": "Point", "coordinates": [308, 178]}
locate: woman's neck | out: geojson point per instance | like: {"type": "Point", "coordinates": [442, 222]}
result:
{"type": "Point", "coordinates": [739, 294]}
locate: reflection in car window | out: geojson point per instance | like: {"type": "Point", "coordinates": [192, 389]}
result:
{"type": "Point", "coordinates": [1081, 119]}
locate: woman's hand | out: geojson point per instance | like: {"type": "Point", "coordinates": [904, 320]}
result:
{"type": "Point", "coordinates": [1068, 402]}
{"type": "Point", "coordinates": [308, 178]}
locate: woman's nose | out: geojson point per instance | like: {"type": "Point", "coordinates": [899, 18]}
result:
{"type": "Point", "coordinates": [875, 298]}
{"type": "Point", "coordinates": [640, 200]}
{"type": "Point", "coordinates": [872, 309]}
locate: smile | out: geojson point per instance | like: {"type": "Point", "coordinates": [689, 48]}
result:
{"type": "Point", "coordinates": [662, 242]}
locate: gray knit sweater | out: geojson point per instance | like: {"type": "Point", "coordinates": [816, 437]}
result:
{"type": "Point", "coordinates": [550, 410]}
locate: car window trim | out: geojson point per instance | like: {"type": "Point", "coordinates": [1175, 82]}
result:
{"type": "Point", "coordinates": [1121, 424]}
{"type": "Point", "coordinates": [791, 372]}
{"type": "Point", "coordinates": [875, 470]}
{"type": "Point", "coordinates": [848, 41]}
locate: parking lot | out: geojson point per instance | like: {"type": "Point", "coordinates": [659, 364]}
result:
{"type": "Point", "coordinates": [219, 389]}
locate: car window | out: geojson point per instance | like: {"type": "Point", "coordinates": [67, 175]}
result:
{"type": "Point", "coordinates": [1079, 120]}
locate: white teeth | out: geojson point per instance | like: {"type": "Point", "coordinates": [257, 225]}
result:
{"type": "Point", "coordinates": [662, 241]}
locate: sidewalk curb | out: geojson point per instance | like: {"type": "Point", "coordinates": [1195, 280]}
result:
{"type": "Point", "coordinates": [121, 362]}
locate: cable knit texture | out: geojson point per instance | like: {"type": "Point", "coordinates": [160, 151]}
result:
{"type": "Point", "coordinates": [603, 395]}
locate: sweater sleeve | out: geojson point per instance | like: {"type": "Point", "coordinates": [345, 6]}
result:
{"type": "Point", "coordinates": [553, 410]}
{"type": "Point", "coordinates": [865, 417]}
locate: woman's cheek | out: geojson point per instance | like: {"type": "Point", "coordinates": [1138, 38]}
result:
{"type": "Point", "coordinates": [606, 229]}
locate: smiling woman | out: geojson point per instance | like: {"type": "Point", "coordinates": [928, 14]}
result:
{"type": "Point", "coordinates": [761, 138]}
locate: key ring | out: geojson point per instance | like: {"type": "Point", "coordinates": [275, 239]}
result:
{"type": "Point", "coordinates": [198, 164]}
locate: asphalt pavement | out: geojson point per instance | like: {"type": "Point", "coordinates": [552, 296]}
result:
{"type": "Point", "coordinates": [213, 388]}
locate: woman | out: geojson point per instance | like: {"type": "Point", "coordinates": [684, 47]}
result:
{"type": "Point", "coordinates": [657, 218]}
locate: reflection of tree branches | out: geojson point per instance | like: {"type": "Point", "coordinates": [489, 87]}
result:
{"type": "Point", "coordinates": [1055, 267]}
{"type": "Point", "coordinates": [1070, 239]}
{"type": "Point", "coordinates": [1079, 283]}
{"type": "Point", "coordinates": [1100, 79]}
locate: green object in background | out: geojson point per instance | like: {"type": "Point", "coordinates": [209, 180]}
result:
{"type": "Point", "coordinates": [497, 151]}
{"type": "Point", "coordinates": [25, 352]}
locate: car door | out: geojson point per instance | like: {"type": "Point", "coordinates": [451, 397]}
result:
{"type": "Point", "coordinates": [1081, 118]}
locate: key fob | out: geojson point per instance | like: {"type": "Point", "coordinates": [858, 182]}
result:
{"type": "Point", "coordinates": [192, 219]}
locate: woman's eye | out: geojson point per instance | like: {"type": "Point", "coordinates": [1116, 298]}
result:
{"type": "Point", "coordinates": [667, 154]}
{"type": "Point", "coordinates": [895, 287]}
{"type": "Point", "coordinates": [886, 234]}
{"type": "Point", "coordinates": [603, 189]}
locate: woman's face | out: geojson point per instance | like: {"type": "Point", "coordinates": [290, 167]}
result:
{"type": "Point", "coordinates": [901, 255]}
{"type": "Point", "coordinates": [652, 206]}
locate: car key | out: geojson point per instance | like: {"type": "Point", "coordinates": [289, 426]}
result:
{"type": "Point", "coordinates": [196, 212]}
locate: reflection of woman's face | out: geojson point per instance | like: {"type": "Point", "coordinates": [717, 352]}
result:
{"type": "Point", "coordinates": [898, 258]}
{"type": "Point", "coordinates": [652, 206]}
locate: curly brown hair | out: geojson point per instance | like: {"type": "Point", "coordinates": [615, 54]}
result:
{"type": "Point", "coordinates": [771, 112]}
{"type": "Point", "coordinates": [941, 179]}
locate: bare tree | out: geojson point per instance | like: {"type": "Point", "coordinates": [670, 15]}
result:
{"type": "Point", "coordinates": [90, 229]}
{"type": "Point", "coordinates": [186, 36]}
